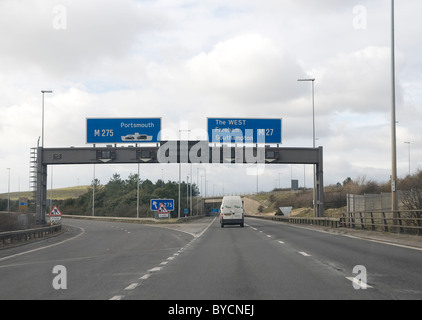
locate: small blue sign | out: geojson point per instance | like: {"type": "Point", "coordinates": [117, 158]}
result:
{"type": "Point", "coordinates": [224, 130]}
{"type": "Point", "coordinates": [106, 130]}
{"type": "Point", "coordinates": [167, 203]}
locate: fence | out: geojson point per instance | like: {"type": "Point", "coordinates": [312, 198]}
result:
{"type": "Point", "coordinates": [405, 221]}
{"type": "Point", "coordinates": [27, 234]}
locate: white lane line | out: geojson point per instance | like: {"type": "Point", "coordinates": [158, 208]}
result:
{"type": "Point", "coordinates": [304, 254]}
{"type": "Point", "coordinates": [145, 276]}
{"type": "Point", "coordinates": [359, 283]}
{"type": "Point", "coordinates": [268, 236]}
{"type": "Point", "coordinates": [154, 269]}
{"type": "Point", "coordinates": [280, 242]}
{"type": "Point", "coordinates": [49, 246]}
{"type": "Point", "coordinates": [203, 231]}
{"type": "Point", "coordinates": [132, 286]}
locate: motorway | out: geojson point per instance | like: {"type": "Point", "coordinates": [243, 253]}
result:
{"type": "Point", "coordinates": [265, 260]}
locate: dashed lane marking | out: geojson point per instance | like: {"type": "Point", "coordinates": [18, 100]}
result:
{"type": "Point", "coordinates": [304, 254]}
{"type": "Point", "coordinates": [132, 286]}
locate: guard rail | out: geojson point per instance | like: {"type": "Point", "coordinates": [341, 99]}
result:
{"type": "Point", "coordinates": [27, 234]}
{"type": "Point", "coordinates": [324, 221]}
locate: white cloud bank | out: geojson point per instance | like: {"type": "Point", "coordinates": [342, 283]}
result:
{"type": "Point", "coordinates": [187, 61]}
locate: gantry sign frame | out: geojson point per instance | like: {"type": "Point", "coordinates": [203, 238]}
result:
{"type": "Point", "coordinates": [178, 152]}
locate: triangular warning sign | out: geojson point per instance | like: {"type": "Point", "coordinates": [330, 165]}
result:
{"type": "Point", "coordinates": [55, 212]}
{"type": "Point", "coordinates": [162, 208]}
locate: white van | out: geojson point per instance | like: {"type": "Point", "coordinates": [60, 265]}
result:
{"type": "Point", "coordinates": [231, 211]}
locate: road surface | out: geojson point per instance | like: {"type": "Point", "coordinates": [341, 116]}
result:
{"type": "Point", "coordinates": [265, 260]}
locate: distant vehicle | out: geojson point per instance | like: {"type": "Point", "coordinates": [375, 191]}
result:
{"type": "Point", "coordinates": [136, 137]}
{"type": "Point", "coordinates": [231, 211]}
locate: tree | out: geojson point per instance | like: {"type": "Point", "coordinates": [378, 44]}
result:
{"type": "Point", "coordinates": [347, 181]}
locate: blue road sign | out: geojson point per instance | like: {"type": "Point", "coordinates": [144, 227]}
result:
{"type": "Point", "coordinates": [168, 203]}
{"type": "Point", "coordinates": [107, 130]}
{"type": "Point", "coordinates": [224, 130]}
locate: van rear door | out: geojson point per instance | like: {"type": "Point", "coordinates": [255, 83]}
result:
{"type": "Point", "coordinates": [232, 211]}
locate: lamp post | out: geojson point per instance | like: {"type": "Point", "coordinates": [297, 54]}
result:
{"type": "Point", "coordinates": [313, 134]}
{"type": "Point", "coordinates": [394, 205]}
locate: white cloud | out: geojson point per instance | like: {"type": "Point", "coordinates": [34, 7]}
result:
{"type": "Point", "coordinates": [95, 30]}
{"type": "Point", "coordinates": [358, 82]}
{"type": "Point", "coordinates": [185, 61]}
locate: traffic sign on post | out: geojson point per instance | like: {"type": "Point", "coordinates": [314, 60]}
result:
{"type": "Point", "coordinates": [55, 212]}
{"type": "Point", "coordinates": [55, 215]}
{"type": "Point", "coordinates": [225, 130]}
{"type": "Point", "coordinates": [156, 204]}
{"type": "Point", "coordinates": [120, 130]}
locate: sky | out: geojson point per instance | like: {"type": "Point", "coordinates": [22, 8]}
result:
{"type": "Point", "coordinates": [185, 60]}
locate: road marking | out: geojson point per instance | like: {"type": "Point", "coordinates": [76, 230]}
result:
{"type": "Point", "coordinates": [304, 254]}
{"type": "Point", "coordinates": [360, 283]}
{"type": "Point", "coordinates": [268, 236]}
{"type": "Point", "coordinates": [353, 237]}
{"type": "Point", "coordinates": [281, 242]}
{"type": "Point", "coordinates": [145, 276]}
{"type": "Point", "coordinates": [49, 246]}
{"type": "Point", "coordinates": [132, 286]}
{"type": "Point", "coordinates": [154, 269]}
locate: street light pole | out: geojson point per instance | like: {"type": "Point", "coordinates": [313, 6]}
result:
{"type": "Point", "coordinates": [394, 205]}
{"type": "Point", "coordinates": [313, 135]}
